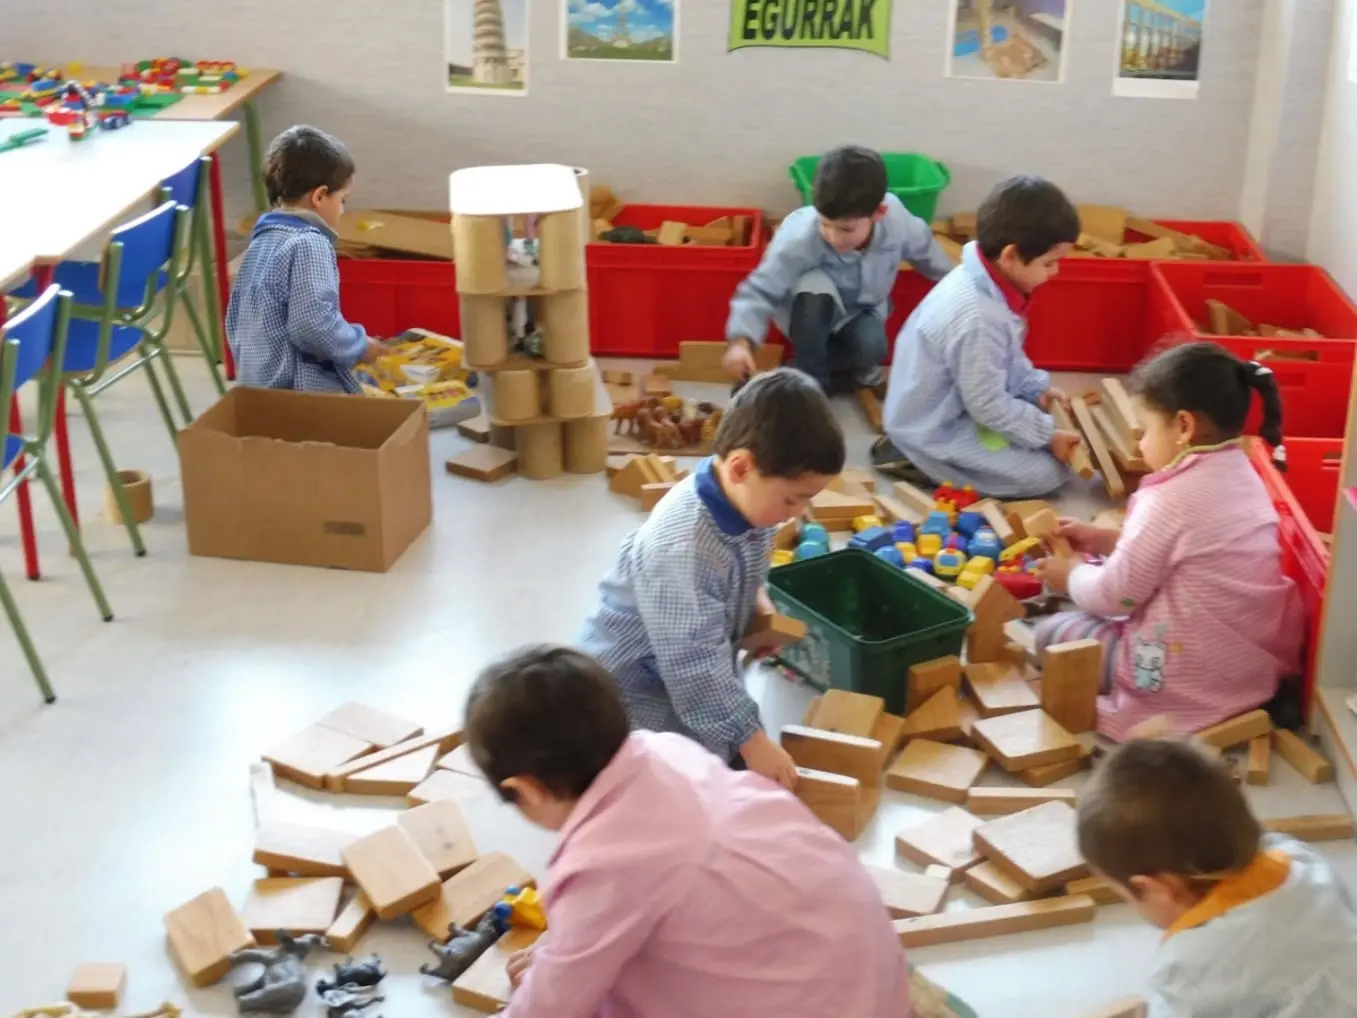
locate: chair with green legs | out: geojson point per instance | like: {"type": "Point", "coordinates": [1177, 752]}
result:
{"type": "Point", "coordinates": [127, 331]}
{"type": "Point", "coordinates": [189, 187]}
{"type": "Point", "coordinates": [32, 344]}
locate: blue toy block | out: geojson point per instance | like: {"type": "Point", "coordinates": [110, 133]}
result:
{"type": "Point", "coordinates": [937, 522]}
{"type": "Point", "coordinates": [922, 564]}
{"type": "Point", "coordinates": [815, 532]}
{"type": "Point", "coordinates": [871, 539]}
{"type": "Point", "coordinates": [903, 532]}
{"type": "Point", "coordinates": [891, 554]}
{"type": "Point", "coordinates": [985, 542]}
{"type": "Point", "coordinates": [968, 522]}
{"type": "Point", "coordinates": [811, 549]}
{"type": "Point", "coordinates": [956, 542]}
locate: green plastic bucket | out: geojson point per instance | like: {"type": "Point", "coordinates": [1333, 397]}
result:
{"type": "Point", "coordinates": [867, 622]}
{"type": "Point", "coordinates": [916, 180]}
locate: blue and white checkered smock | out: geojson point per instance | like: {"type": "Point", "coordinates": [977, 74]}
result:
{"type": "Point", "coordinates": [672, 612]}
{"type": "Point", "coordinates": [284, 323]}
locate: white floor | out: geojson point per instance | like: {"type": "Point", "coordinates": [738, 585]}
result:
{"type": "Point", "coordinates": [130, 794]}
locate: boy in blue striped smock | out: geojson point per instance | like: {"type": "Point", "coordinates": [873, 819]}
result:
{"type": "Point", "coordinates": [964, 404]}
{"type": "Point", "coordinates": [284, 323]}
{"type": "Point", "coordinates": [687, 583]}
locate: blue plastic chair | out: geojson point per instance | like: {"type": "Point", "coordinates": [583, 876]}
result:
{"type": "Point", "coordinates": [31, 344]}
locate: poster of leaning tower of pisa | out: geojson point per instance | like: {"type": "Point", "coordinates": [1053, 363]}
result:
{"type": "Point", "coordinates": [487, 46]}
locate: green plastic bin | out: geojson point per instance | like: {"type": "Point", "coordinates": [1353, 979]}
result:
{"type": "Point", "coordinates": [867, 620]}
{"type": "Point", "coordinates": [916, 180]}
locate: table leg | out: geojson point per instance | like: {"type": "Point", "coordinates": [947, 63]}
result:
{"type": "Point", "coordinates": [42, 278]}
{"type": "Point", "coordinates": [261, 198]}
{"type": "Point", "coordinates": [26, 532]}
{"type": "Point", "coordinates": [219, 256]}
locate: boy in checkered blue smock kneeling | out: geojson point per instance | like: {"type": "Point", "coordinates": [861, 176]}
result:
{"type": "Point", "coordinates": [284, 323]}
{"type": "Point", "coordinates": [688, 582]}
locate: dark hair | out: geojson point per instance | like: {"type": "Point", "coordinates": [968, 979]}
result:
{"type": "Point", "coordinates": [850, 183]}
{"type": "Point", "coordinates": [1030, 213]}
{"type": "Point", "coordinates": [302, 159]}
{"type": "Point", "coordinates": [1163, 806]}
{"type": "Point", "coordinates": [1207, 380]}
{"type": "Point", "coordinates": [545, 712]}
{"type": "Point", "coordinates": [784, 419]}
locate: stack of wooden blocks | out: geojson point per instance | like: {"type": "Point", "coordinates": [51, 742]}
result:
{"type": "Point", "coordinates": [1110, 430]}
{"type": "Point", "coordinates": [553, 410]}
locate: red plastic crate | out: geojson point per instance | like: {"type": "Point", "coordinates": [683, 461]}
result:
{"type": "Point", "coordinates": [1313, 468]}
{"type": "Point", "coordinates": [389, 295]}
{"type": "Point", "coordinates": [645, 299]}
{"type": "Point", "coordinates": [1231, 236]}
{"type": "Point", "coordinates": [1095, 315]}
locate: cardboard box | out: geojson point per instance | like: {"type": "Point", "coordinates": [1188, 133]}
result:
{"type": "Point", "coordinates": [307, 479]}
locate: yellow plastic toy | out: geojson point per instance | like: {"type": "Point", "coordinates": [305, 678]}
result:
{"type": "Point", "coordinates": [976, 567]}
{"type": "Point", "coordinates": [783, 557]}
{"type": "Point", "coordinates": [929, 545]}
{"type": "Point", "coordinates": [525, 909]}
{"type": "Point", "coordinates": [861, 523]}
{"type": "Point", "coordinates": [1018, 550]}
{"type": "Point", "coordinates": [907, 551]}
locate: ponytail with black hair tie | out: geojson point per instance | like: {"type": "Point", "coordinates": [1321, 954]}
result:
{"type": "Point", "coordinates": [1261, 379]}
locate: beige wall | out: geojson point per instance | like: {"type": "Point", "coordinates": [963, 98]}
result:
{"type": "Point", "coordinates": [1333, 227]}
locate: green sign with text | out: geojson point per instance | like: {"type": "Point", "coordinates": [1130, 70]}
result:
{"type": "Point", "coordinates": [829, 24]}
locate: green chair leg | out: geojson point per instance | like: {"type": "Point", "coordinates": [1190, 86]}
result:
{"type": "Point", "coordinates": [176, 386]}
{"type": "Point", "coordinates": [111, 468]}
{"type": "Point", "coordinates": [73, 536]}
{"type": "Point", "coordinates": [261, 202]}
{"type": "Point", "coordinates": [25, 643]}
{"type": "Point", "coordinates": [158, 392]}
{"type": "Point", "coordinates": [207, 263]}
{"type": "Point", "coordinates": [204, 343]}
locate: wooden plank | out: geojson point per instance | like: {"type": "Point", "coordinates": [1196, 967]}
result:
{"type": "Point", "coordinates": [1260, 760]}
{"type": "Point", "coordinates": [1123, 411]}
{"type": "Point", "coordinates": [994, 801]}
{"type": "Point", "coordinates": [1037, 847]}
{"type": "Point", "coordinates": [1046, 525]}
{"type": "Point", "coordinates": [999, 688]}
{"type": "Point", "coordinates": [994, 885]}
{"type": "Point", "coordinates": [850, 755]}
{"type": "Point", "coordinates": [395, 777]}
{"type": "Point", "coordinates": [1041, 777]}
{"type": "Point", "coordinates": [871, 408]}
{"type": "Point", "coordinates": [848, 713]}
{"type": "Point", "coordinates": [295, 905]}
{"type": "Point", "coordinates": [391, 871]}
{"type": "Point", "coordinates": [466, 896]}
{"type": "Point", "coordinates": [303, 850]}
{"type": "Point", "coordinates": [946, 839]}
{"type": "Point", "coordinates": [1313, 827]}
{"type": "Point", "coordinates": [263, 793]}
{"type": "Point", "coordinates": [486, 463]}
{"type": "Point", "coordinates": [771, 633]}
{"type": "Point", "coordinates": [1124, 449]}
{"type": "Point", "coordinates": [353, 921]}
{"type": "Point", "coordinates": [1071, 673]}
{"type": "Point", "coordinates": [203, 933]}
{"type": "Point", "coordinates": [1027, 739]}
{"type": "Point", "coordinates": [895, 511]}
{"type": "Point", "coordinates": [889, 730]}
{"type": "Point", "coordinates": [914, 499]}
{"type": "Point", "coordinates": [997, 920]}
{"type": "Point", "coordinates": [378, 727]}
{"type": "Point", "coordinates": [936, 770]}
{"type": "Point", "coordinates": [927, 677]}
{"type": "Point", "coordinates": [909, 894]}
{"type": "Point", "coordinates": [336, 778]}
{"type": "Point", "coordinates": [1106, 465]}
{"type": "Point", "coordinates": [446, 785]}
{"type": "Point", "coordinates": [485, 985]}
{"type": "Point", "coordinates": [1237, 730]}
{"type": "Point", "coordinates": [440, 832]}
{"type": "Point", "coordinates": [1079, 460]}
{"type": "Point", "coordinates": [460, 760]}
{"type": "Point", "coordinates": [1300, 755]}
{"type": "Point", "coordinates": [938, 719]}
{"type": "Point", "coordinates": [943, 873]}
{"type": "Point", "coordinates": [1100, 889]}
{"type": "Point", "coordinates": [312, 753]}
{"type": "Point", "coordinates": [836, 799]}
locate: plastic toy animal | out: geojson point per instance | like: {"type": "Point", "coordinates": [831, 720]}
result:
{"type": "Point", "coordinates": [464, 947]}
{"type": "Point", "coordinates": [281, 987]}
{"type": "Point", "coordinates": [344, 1000]}
{"type": "Point", "coordinates": [627, 413]}
{"type": "Point", "coordinates": [665, 434]}
{"type": "Point", "coordinates": [351, 973]}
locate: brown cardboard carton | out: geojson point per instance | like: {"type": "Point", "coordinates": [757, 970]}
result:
{"type": "Point", "coordinates": [307, 479]}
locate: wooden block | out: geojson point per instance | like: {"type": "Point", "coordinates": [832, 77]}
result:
{"type": "Point", "coordinates": [997, 521]}
{"type": "Point", "coordinates": [446, 785]}
{"type": "Point", "coordinates": [652, 493]}
{"type": "Point", "coordinates": [772, 633]}
{"type": "Point", "coordinates": [313, 752]}
{"type": "Point", "coordinates": [460, 760]}
{"type": "Point", "coordinates": [927, 678]}
{"type": "Point", "coordinates": [613, 377]}
{"type": "Point", "coordinates": [871, 408]}
{"type": "Point", "coordinates": [1300, 755]}
{"type": "Point", "coordinates": [1226, 321]}
{"type": "Point", "coordinates": [392, 872]}
{"type": "Point", "coordinates": [996, 801]}
{"type": "Point", "coordinates": [1111, 476]}
{"type": "Point", "coordinates": [485, 985]}
{"type": "Point", "coordinates": [994, 885]}
{"type": "Point", "coordinates": [996, 920]}
{"type": "Point", "coordinates": [351, 923]}
{"type": "Point", "coordinates": [835, 798]}
{"type": "Point", "coordinates": [1026, 740]}
{"type": "Point", "coordinates": [1260, 760]}
{"type": "Point", "coordinates": [998, 688]}
{"type": "Point", "coordinates": [1123, 448]}
{"type": "Point", "coordinates": [963, 225]}
{"type": "Point", "coordinates": [1044, 525]}
{"type": "Point", "coordinates": [477, 429]}
{"type": "Point", "coordinates": [672, 234]}
{"type": "Point", "coordinates": [440, 833]}
{"type": "Point", "coordinates": [915, 499]}
{"type": "Point", "coordinates": [945, 873]}
{"type": "Point", "coordinates": [378, 727]}
{"type": "Point", "coordinates": [468, 895]}
{"type": "Point", "coordinates": [993, 606]}
{"type": "Point", "coordinates": [97, 987]}
{"type": "Point", "coordinates": [909, 894]}
{"type": "Point", "coordinates": [936, 770]}
{"type": "Point", "coordinates": [1079, 461]}
{"type": "Point", "coordinates": [336, 778]}
{"type": "Point", "coordinates": [395, 777]}
{"type": "Point", "coordinates": [1104, 222]}
{"type": "Point", "coordinates": [831, 505]}
{"type": "Point", "coordinates": [893, 510]}
{"type": "Point", "coordinates": [1237, 730]}
{"type": "Point", "coordinates": [263, 793]}
{"type": "Point", "coordinates": [938, 719]}
{"type": "Point", "coordinates": [295, 905]}
{"type": "Point", "coordinates": [656, 385]}
{"type": "Point", "coordinates": [967, 716]}
{"type": "Point", "coordinates": [1127, 1007]}
{"type": "Point", "coordinates": [889, 730]}
{"type": "Point", "coordinates": [1037, 847]}
{"type": "Point", "coordinates": [1154, 250]}
{"type": "Point", "coordinates": [1316, 827]}
{"type": "Point", "coordinates": [203, 933]}
{"type": "Point", "coordinates": [301, 849]}
{"type": "Point", "coordinates": [851, 755]}
{"type": "Point", "coordinates": [946, 839]}
{"type": "Point", "coordinates": [1040, 777]}
{"type": "Point", "coordinates": [483, 463]}
{"type": "Point", "coordinates": [1070, 676]}
{"type": "Point", "coordinates": [1022, 634]}
{"type": "Point", "coordinates": [1122, 410]}
{"type": "Point", "coordinates": [1100, 889]}
{"type": "Point", "coordinates": [848, 713]}
{"type": "Point", "coordinates": [859, 476]}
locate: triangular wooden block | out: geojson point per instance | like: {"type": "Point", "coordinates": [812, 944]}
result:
{"type": "Point", "coordinates": [938, 719]}
{"type": "Point", "coordinates": [459, 760]}
{"type": "Point", "coordinates": [848, 713]}
{"type": "Point", "coordinates": [395, 777]}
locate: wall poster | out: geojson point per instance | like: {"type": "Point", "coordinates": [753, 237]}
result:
{"type": "Point", "coordinates": [1020, 40]}
{"type": "Point", "coordinates": [812, 24]}
{"type": "Point", "coordinates": [1160, 51]}
{"type": "Point", "coordinates": [644, 30]}
{"type": "Point", "coordinates": [486, 46]}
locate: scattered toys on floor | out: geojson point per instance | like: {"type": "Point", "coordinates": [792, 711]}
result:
{"type": "Point", "coordinates": [669, 423]}
{"type": "Point", "coordinates": [647, 477]}
{"type": "Point", "coordinates": [423, 365]}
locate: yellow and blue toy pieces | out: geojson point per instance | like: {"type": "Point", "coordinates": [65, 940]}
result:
{"type": "Point", "coordinates": [521, 907]}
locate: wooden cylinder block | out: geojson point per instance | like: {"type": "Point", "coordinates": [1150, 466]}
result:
{"type": "Point", "coordinates": [485, 333]}
{"type": "Point", "coordinates": [540, 454]}
{"type": "Point", "coordinates": [582, 178]}
{"type": "Point", "coordinates": [570, 391]}
{"type": "Point", "coordinates": [138, 487]}
{"type": "Point", "coordinates": [560, 251]}
{"type": "Point", "coordinates": [565, 327]}
{"type": "Point", "coordinates": [517, 395]}
{"type": "Point", "coordinates": [586, 445]}
{"type": "Point", "coordinates": [479, 245]}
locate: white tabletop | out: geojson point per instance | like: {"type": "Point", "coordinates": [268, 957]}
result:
{"type": "Point", "coordinates": [513, 190]}
{"type": "Point", "coordinates": [55, 193]}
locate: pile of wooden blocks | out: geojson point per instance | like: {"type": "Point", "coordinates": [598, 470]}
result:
{"type": "Point", "coordinates": [723, 231]}
{"type": "Point", "coordinates": [1226, 321]}
{"type": "Point", "coordinates": [1111, 432]}
{"type": "Point", "coordinates": [325, 881]}
{"type": "Point", "coordinates": [701, 362]}
{"type": "Point", "coordinates": [646, 477]}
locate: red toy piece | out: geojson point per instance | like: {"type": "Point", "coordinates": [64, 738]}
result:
{"type": "Point", "coordinates": [1020, 585]}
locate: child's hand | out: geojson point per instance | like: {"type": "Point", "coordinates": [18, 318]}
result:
{"type": "Point", "coordinates": [375, 348]}
{"type": "Point", "coordinates": [1054, 571]}
{"type": "Point", "coordinates": [739, 360]}
{"type": "Point", "coordinates": [764, 756]}
{"type": "Point", "coordinates": [1063, 444]}
{"type": "Point", "coordinates": [1052, 395]}
{"type": "Point", "coordinates": [1087, 539]}
{"type": "Point", "coordinates": [519, 963]}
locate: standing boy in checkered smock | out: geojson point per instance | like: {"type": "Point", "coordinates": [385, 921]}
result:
{"type": "Point", "coordinates": [687, 583]}
{"type": "Point", "coordinates": [284, 323]}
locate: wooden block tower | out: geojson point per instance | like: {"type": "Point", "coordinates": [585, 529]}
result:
{"type": "Point", "coordinates": [553, 401]}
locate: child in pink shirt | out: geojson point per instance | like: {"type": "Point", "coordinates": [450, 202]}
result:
{"type": "Point", "coordinates": [1197, 621]}
{"type": "Point", "coordinates": [678, 886]}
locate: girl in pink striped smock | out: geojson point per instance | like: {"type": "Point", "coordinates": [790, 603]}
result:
{"type": "Point", "coordinates": [1196, 618]}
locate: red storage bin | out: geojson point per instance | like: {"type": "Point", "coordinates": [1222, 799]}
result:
{"type": "Point", "coordinates": [1231, 236]}
{"type": "Point", "coordinates": [1095, 315]}
{"type": "Point", "coordinates": [645, 299]}
{"type": "Point", "coordinates": [1313, 469]}
{"type": "Point", "coordinates": [389, 295]}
